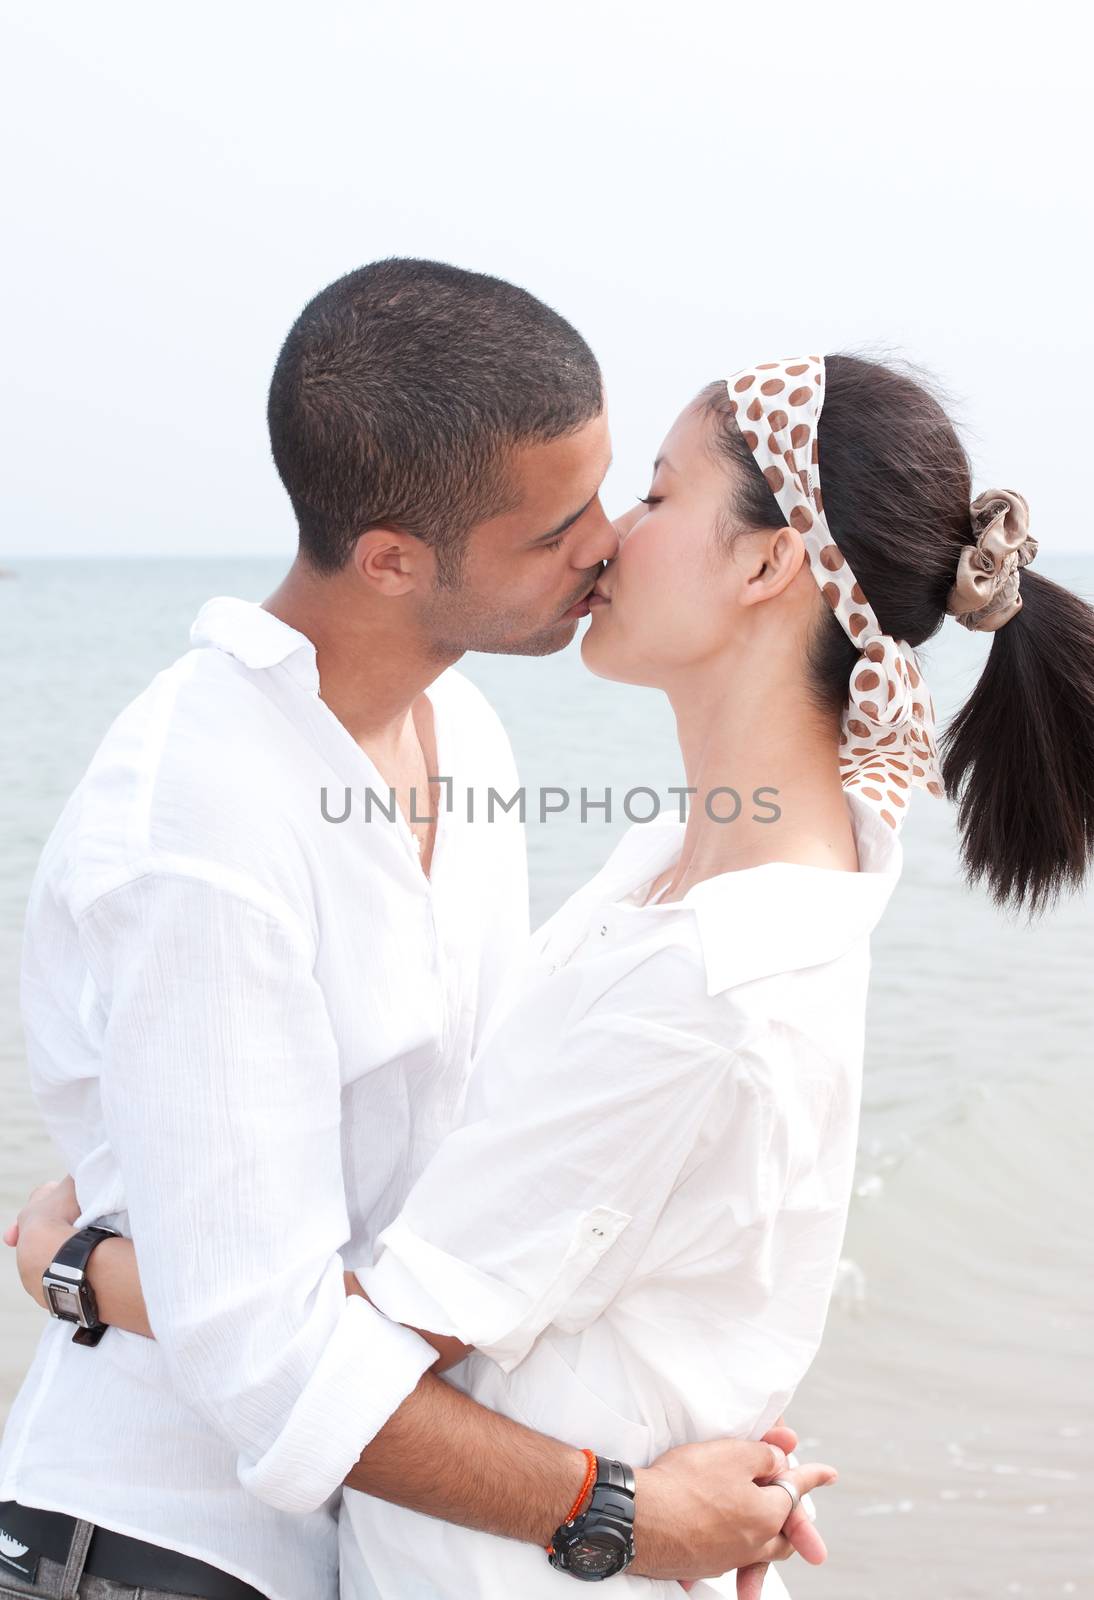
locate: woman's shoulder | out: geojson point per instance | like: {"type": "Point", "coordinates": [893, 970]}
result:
{"type": "Point", "coordinates": [705, 966]}
{"type": "Point", "coordinates": [786, 1034]}
{"type": "Point", "coordinates": [654, 973]}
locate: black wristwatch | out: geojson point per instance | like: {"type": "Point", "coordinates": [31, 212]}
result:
{"type": "Point", "coordinates": [600, 1542]}
{"type": "Point", "coordinates": [68, 1294]}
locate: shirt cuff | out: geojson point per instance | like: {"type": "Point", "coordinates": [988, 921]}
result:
{"type": "Point", "coordinates": [367, 1369]}
{"type": "Point", "coordinates": [415, 1282]}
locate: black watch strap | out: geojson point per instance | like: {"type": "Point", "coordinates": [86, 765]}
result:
{"type": "Point", "coordinates": [77, 1248]}
{"type": "Point", "coordinates": [68, 1293]}
{"type": "Point", "coordinates": [599, 1542]}
{"type": "Point", "coordinates": [614, 1475]}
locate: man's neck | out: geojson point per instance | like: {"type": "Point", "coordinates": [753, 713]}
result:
{"type": "Point", "coordinates": [372, 663]}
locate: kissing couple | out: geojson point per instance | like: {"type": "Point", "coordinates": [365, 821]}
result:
{"type": "Point", "coordinates": [406, 1255]}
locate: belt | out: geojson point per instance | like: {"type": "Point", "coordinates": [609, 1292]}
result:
{"type": "Point", "coordinates": [118, 1557]}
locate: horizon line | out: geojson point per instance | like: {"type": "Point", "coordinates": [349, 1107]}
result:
{"type": "Point", "coordinates": [8, 562]}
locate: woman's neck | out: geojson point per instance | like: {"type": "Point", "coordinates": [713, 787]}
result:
{"type": "Point", "coordinates": [779, 757]}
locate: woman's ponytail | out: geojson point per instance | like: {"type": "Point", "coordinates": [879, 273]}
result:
{"type": "Point", "coordinates": [1018, 758]}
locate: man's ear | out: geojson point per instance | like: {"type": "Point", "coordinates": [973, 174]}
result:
{"type": "Point", "coordinates": [392, 562]}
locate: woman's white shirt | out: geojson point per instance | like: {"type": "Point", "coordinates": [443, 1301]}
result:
{"type": "Point", "coordinates": [639, 1222]}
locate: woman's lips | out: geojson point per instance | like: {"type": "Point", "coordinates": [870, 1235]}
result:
{"type": "Point", "coordinates": [582, 607]}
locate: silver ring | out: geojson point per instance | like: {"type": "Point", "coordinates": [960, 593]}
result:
{"type": "Point", "coordinates": [792, 1490]}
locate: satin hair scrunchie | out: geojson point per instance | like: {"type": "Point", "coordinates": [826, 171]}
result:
{"type": "Point", "coordinates": [887, 737]}
{"type": "Point", "coordinates": [985, 595]}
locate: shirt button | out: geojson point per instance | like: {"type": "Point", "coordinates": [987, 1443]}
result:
{"type": "Point", "coordinates": [603, 929]}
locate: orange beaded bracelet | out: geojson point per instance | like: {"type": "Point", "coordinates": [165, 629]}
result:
{"type": "Point", "coordinates": [590, 1479]}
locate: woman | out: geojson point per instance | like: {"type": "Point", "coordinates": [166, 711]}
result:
{"type": "Point", "coordinates": [637, 1227]}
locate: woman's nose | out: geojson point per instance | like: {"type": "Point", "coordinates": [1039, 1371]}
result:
{"type": "Point", "coordinates": [626, 522]}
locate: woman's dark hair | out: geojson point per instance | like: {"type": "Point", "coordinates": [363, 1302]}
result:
{"type": "Point", "coordinates": [1018, 758]}
{"type": "Point", "coordinates": [399, 394]}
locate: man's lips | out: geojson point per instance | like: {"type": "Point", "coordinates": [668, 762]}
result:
{"type": "Point", "coordinates": [580, 607]}
{"type": "Point", "coordinates": [599, 598]}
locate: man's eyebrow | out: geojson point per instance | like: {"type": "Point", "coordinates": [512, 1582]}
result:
{"type": "Point", "coordinates": [545, 538]}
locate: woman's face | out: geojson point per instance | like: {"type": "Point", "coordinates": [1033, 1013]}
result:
{"type": "Point", "coordinates": [666, 603]}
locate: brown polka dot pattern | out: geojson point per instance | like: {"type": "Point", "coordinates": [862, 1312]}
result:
{"type": "Point", "coordinates": [887, 741]}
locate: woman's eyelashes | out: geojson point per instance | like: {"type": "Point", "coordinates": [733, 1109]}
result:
{"type": "Point", "coordinates": [650, 499]}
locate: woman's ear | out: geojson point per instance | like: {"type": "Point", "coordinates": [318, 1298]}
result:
{"type": "Point", "coordinates": [773, 562]}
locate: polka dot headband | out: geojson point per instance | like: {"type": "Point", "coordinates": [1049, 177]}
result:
{"type": "Point", "coordinates": [887, 736]}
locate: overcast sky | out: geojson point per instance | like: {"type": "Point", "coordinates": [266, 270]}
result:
{"type": "Point", "coordinates": [698, 185]}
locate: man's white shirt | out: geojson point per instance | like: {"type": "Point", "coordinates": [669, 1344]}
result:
{"type": "Point", "coordinates": [248, 1027]}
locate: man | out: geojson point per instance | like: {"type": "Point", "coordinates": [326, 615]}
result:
{"type": "Point", "coordinates": [249, 1026]}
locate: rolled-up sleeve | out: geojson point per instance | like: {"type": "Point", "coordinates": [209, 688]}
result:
{"type": "Point", "coordinates": [536, 1211]}
{"type": "Point", "coordinates": [221, 1099]}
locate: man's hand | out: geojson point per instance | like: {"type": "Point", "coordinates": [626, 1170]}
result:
{"type": "Point", "coordinates": [42, 1226]}
{"type": "Point", "coordinates": [702, 1509]}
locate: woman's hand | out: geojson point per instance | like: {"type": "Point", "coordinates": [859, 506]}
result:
{"type": "Point", "coordinates": [41, 1228]}
{"type": "Point", "coordinates": [798, 1527]}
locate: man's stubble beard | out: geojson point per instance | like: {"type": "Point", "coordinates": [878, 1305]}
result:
{"type": "Point", "coordinates": [454, 625]}
{"type": "Point", "coordinates": [450, 639]}
{"type": "Point", "coordinates": [546, 643]}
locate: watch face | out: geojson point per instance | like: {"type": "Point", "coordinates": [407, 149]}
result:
{"type": "Point", "coordinates": [63, 1301]}
{"type": "Point", "coordinates": [597, 1557]}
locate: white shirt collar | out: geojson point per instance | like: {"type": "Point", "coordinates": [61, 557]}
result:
{"type": "Point", "coordinates": [255, 637]}
{"type": "Point", "coordinates": [778, 917]}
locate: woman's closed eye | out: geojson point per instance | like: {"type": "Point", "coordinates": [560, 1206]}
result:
{"type": "Point", "coordinates": [650, 500]}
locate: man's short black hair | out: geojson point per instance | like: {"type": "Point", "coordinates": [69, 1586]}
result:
{"type": "Point", "coordinates": [400, 391]}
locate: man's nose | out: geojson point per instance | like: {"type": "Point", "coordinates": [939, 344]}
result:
{"type": "Point", "coordinates": [600, 543]}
